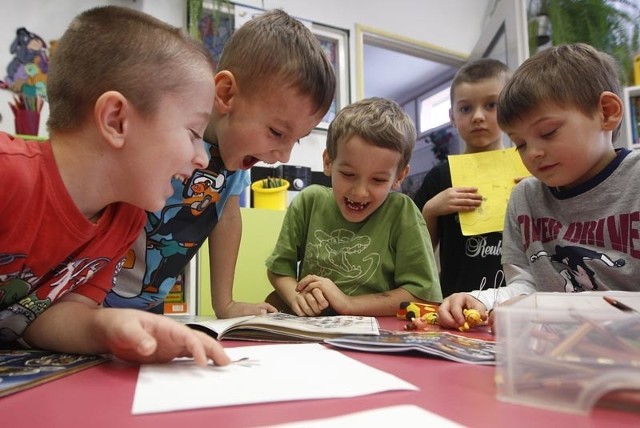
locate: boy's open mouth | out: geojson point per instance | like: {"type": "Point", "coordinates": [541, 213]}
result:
{"type": "Point", "coordinates": [249, 161]}
{"type": "Point", "coordinates": [356, 206]}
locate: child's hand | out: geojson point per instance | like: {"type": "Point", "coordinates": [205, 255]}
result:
{"type": "Point", "coordinates": [313, 295]}
{"type": "Point", "coordinates": [453, 200]}
{"type": "Point", "coordinates": [450, 312]}
{"type": "Point", "coordinates": [241, 309]}
{"type": "Point", "coordinates": [143, 337]}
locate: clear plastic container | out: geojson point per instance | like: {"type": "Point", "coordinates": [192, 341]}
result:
{"type": "Point", "coordinates": [566, 351]}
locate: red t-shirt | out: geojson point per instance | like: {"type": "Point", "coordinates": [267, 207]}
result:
{"type": "Point", "coordinates": [47, 246]}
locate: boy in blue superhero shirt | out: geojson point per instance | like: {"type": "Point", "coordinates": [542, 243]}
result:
{"type": "Point", "coordinates": [273, 86]}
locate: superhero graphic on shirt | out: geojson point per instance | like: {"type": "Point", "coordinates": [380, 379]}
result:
{"type": "Point", "coordinates": [577, 274]}
{"type": "Point", "coordinates": [172, 237]}
{"type": "Point", "coordinates": [175, 234]}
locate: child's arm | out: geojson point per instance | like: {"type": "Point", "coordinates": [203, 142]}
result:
{"type": "Point", "coordinates": [76, 324]}
{"type": "Point", "coordinates": [375, 304]}
{"type": "Point", "coordinates": [449, 201]}
{"type": "Point", "coordinates": [452, 200]}
{"type": "Point", "coordinates": [224, 244]}
{"type": "Point", "coordinates": [519, 282]}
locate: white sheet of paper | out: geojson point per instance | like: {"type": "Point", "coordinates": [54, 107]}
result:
{"type": "Point", "coordinates": [280, 372]}
{"type": "Point", "coordinates": [384, 417]}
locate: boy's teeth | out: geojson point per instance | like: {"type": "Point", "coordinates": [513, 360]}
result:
{"type": "Point", "coordinates": [356, 205]}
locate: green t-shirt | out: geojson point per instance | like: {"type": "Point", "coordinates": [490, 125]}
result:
{"type": "Point", "coordinates": [390, 249]}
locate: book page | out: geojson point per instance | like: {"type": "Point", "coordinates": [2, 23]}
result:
{"type": "Point", "coordinates": [294, 326]}
{"type": "Point", "coordinates": [338, 324]}
{"type": "Point", "coordinates": [447, 345]}
{"type": "Point", "coordinates": [265, 372]}
{"type": "Point", "coordinates": [493, 173]}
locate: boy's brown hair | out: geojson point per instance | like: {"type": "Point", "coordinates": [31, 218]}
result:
{"type": "Point", "coordinates": [573, 75]}
{"type": "Point", "coordinates": [119, 49]}
{"type": "Point", "coordinates": [478, 70]}
{"type": "Point", "coordinates": [274, 49]}
{"type": "Point", "coordinates": [379, 121]}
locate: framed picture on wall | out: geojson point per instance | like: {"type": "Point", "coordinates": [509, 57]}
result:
{"type": "Point", "coordinates": [213, 21]}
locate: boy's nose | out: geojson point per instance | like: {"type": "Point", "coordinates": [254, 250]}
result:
{"type": "Point", "coordinates": [478, 115]}
{"type": "Point", "coordinates": [200, 158]}
{"type": "Point", "coordinates": [283, 155]}
{"type": "Point", "coordinates": [534, 150]}
{"type": "Point", "coordinates": [359, 189]}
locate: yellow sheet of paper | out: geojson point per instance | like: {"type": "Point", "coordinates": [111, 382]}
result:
{"type": "Point", "coordinates": [493, 173]}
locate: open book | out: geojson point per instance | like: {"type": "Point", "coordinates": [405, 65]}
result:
{"type": "Point", "coordinates": [23, 368]}
{"type": "Point", "coordinates": [436, 343]}
{"type": "Point", "coordinates": [281, 327]}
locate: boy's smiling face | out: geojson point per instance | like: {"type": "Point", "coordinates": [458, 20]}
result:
{"type": "Point", "coordinates": [362, 175]}
{"type": "Point", "coordinates": [562, 146]}
{"type": "Point", "coordinates": [249, 128]}
{"type": "Point", "coordinates": [169, 144]}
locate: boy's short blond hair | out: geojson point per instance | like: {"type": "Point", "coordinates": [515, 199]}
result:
{"type": "Point", "coordinates": [477, 71]}
{"type": "Point", "coordinates": [573, 75]}
{"type": "Point", "coordinates": [380, 122]}
{"type": "Point", "coordinates": [276, 49]}
{"type": "Point", "coordinates": [119, 49]}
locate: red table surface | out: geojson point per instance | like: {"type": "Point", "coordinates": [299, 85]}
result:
{"type": "Point", "coordinates": [102, 396]}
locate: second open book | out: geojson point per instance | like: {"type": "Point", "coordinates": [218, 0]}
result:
{"type": "Point", "coordinates": [442, 344]}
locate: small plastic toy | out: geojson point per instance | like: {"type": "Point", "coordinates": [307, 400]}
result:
{"type": "Point", "coordinates": [410, 310]}
{"type": "Point", "coordinates": [422, 322]}
{"type": "Point", "coordinates": [472, 318]}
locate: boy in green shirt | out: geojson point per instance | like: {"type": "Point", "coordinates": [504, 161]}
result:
{"type": "Point", "coordinates": [359, 248]}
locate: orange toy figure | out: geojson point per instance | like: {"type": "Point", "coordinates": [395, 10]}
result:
{"type": "Point", "coordinates": [421, 323]}
{"type": "Point", "coordinates": [411, 310]}
{"type": "Point", "coordinates": [472, 318]}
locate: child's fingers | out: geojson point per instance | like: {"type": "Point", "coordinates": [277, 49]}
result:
{"type": "Point", "coordinates": [319, 297]}
{"type": "Point", "coordinates": [313, 303]}
{"type": "Point", "coordinates": [304, 282]}
{"type": "Point", "coordinates": [212, 349]}
{"type": "Point", "coordinates": [133, 338]}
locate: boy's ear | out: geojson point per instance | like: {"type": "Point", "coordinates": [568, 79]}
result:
{"type": "Point", "coordinates": [611, 110]}
{"type": "Point", "coordinates": [451, 119]}
{"type": "Point", "coordinates": [326, 163]}
{"type": "Point", "coordinates": [111, 112]}
{"type": "Point", "coordinates": [226, 89]}
{"type": "Point", "coordinates": [401, 176]}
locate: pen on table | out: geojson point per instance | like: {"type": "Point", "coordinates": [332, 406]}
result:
{"type": "Point", "coordinates": [619, 305]}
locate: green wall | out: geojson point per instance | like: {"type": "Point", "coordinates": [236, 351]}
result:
{"type": "Point", "coordinates": [260, 229]}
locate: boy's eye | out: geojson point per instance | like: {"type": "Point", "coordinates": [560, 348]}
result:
{"type": "Point", "coordinates": [347, 174]}
{"type": "Point", "coordinates": [547, 135]}
{"type": "Point", "coordinates": [275, 133]}
{"type": "Point", "coordinates": [465, 109]}
{"type": "Point", "coordinates": [194, 135]}
{"type": "Point", "coordinates": [492, 105]}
